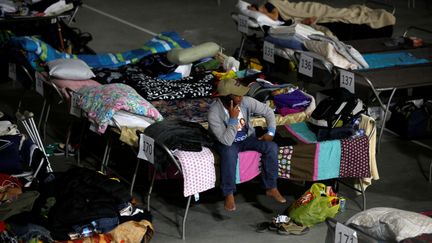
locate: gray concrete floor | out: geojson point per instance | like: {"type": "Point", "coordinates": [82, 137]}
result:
{"type": "Point", "coordinates": [123, 25]}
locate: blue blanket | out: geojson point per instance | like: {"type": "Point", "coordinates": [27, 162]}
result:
{"type": "Point", "coordinates": [38, 51]}
{"type": "Point", "coordinates": [383, 60]}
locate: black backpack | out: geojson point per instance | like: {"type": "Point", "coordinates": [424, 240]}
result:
{"type": "Point", "coordinates": [334, 116]}
{"type": "Point", "coordinates": [411, 121]}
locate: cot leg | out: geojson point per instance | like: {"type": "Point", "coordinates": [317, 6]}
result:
{"type": "Point", "coordinates": [72, 18]}
{"type": "Point", "coordinates": [41, 113]}
{"type": "Point", "coordinates": [68, 135]}
{"type": "Point", "coordinates": [150, 190]}
{"type": "Point", "coordinates": [106, 154]}
{"type": "Point", "coordinates": [185, 217]}
{"type": "Point", "coordinates": [78, 150]}
{"type": "Point", "coordinates": [242, 42]}
{"type": "Point", "coordinates": [430, 173]}
{"type": "Point", "coordinates": [363, 194]}
{"type": "Point", "coordinates": [46, 121]}
{"type": "Point", "coordinates": [134, 176]}
{"type": "Point", "coordinates": [385, 118]}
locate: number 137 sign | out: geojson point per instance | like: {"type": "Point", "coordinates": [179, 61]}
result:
{"type": "Point", "coordinates": [146, 148]}
{"type": "Point", "coordinates": [347, 80]}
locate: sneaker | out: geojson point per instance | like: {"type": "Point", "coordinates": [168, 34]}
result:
{"type": "Point", "coordinates": [59, 149]}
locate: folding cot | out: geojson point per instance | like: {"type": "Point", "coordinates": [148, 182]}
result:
{"type": "Point", "coordinates": [360, 236]}
{"type": "Point", "coordinates": [393, 66]}
{"type": "Point", "coordinates": [52, 26]}
{"type": "Point", "coordinates": [36, 52]}
{"type": "Point", "coordinates": [381, 224]}
{"type": "Point", "coordinates": [371, 83]}
{"type": "Point", "coordinates": [306, 160]}
{"type": "Point", "coordinates": [254, 26]}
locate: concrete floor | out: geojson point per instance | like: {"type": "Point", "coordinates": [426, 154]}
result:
{"type": "Point", "coordinates": [123, 25]}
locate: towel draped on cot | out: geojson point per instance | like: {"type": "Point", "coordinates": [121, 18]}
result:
{"type": "Point", "coordinates": [311, 160]}
{"type": "Point", "coordinates": [383, 60]}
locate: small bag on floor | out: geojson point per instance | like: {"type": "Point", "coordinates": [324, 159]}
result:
{"type": "Point", "coordinates": [314, 206]}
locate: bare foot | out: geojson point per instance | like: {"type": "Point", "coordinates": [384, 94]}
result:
{"type": "Point", "coordinates": [229, 204]}
{"type": "Point", "coordinates": [274, 193]}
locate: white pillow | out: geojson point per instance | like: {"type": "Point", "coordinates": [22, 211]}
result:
{"type": "Point", "coordinates": [70, 69]}
{"type": "Point", "coordinates": [391, 224]}
{"type": "Point", "coordinates": [261, 18]}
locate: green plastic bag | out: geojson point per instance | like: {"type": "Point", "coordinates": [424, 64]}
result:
{"type": "Point", "coordinates": [314, 206]}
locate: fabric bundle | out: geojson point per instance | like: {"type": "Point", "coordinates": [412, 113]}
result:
{"type": "Point", "coordinates": [292, 102]}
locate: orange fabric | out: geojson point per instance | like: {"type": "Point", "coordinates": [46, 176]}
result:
{"type": "Point", "coordinates": [127, 232]}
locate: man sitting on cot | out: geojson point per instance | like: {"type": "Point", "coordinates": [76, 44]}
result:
{"type": "Point", "coordinates": [230, 121]}
{"type": "Point", "coordinates": [313, 12]}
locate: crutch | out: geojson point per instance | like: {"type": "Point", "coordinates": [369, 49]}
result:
{"type": "Point", "coordinates": [30, 126]}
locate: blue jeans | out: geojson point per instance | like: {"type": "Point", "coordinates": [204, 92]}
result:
{"type": "Point", "coordinates": [229, 155]}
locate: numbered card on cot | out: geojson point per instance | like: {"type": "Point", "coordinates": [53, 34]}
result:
{"type": "Point", "coordinates": [344, 234]}
{"type": "Point", "coordinates": [268, 52]}
{"type": "Point", "coordinates": [347, 80]}
{"type": "Point", "coordinates": [306, 65]}
{"type": "Point", "coordinates": [243, 24]}
{"type": "Point", "coordinates": [146, 148]}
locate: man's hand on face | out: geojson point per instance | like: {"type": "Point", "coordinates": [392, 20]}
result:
{"type": "Point", "coordinates": [234, 110]}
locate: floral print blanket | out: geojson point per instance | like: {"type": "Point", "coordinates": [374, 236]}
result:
{"type": "Point", "coordinates": [101, 103]}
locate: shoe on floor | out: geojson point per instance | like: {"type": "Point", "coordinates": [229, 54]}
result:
{"type": "Point", "coordinates": [229, 203]}
{"type": "Point", "coordinates": [291, 228]}
{"type": "Point", "coordinates": [263, 227]}
{"type": "Point", "coordinates": [274, 193]}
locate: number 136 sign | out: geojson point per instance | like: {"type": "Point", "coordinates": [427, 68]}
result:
{"type": "Point", "coordinates": [306, 65]}
{"type": "Point", "coordinates": [146, 148]}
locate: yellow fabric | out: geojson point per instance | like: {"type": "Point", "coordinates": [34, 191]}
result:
{"type": "Point", "coordinates": [129, 231]}
{"type": "Point", "coordinates": [132, 231]}
{"type": "Point", "coordinates": [226, 75]}
{"type": "Point", "coordinates": [368, 124]}
{"type": "Point", "coordinates": [128, 135]}
{"type": "Point", "coordinates": [281, 120]}
{"type": "Point", "coordinates": [354, 14]}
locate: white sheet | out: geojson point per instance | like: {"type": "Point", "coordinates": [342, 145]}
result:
{"type": "Point", "coordinates": [126, 119]}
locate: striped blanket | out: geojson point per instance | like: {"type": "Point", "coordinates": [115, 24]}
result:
{"type": "Point", "coordinates": [311, 160]}
{"type": "Point", "coordinates": [38, 52]}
